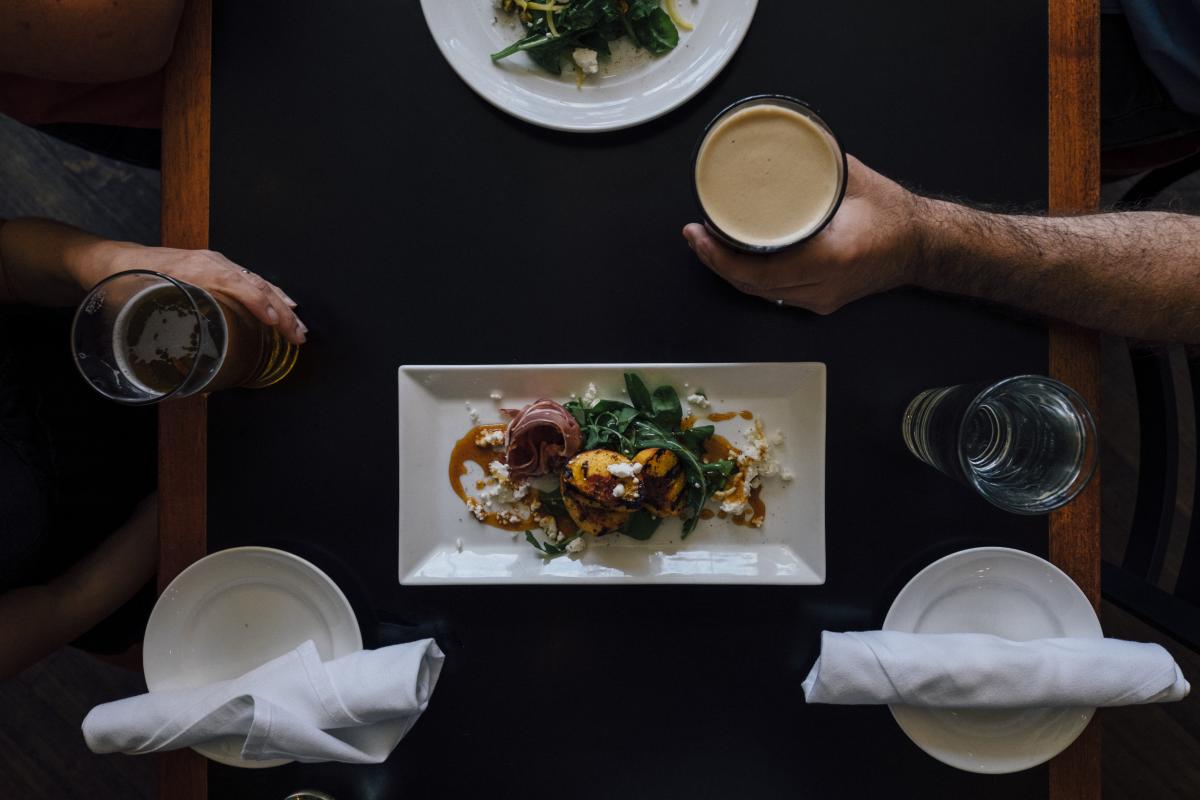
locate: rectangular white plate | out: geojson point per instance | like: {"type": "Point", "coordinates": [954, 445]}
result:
{"type": "Point", "coordinates": [788, 549]}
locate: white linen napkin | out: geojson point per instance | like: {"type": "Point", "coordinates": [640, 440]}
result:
{"type": "Point", "coordinates": [970, 670]}
{"type": "Point", "coordinates": [353, 709]}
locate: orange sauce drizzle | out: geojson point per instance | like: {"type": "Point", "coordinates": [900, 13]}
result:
{"type": "Point", "coordinates": [721, 416]}
{"type": "Point", "coordinates": [467, 452]}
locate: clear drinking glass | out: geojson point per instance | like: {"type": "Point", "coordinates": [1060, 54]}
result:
{"type": "Point", "coordinates": [1027, 444]}
{"type": "Point", "coordinates": [140, 337]}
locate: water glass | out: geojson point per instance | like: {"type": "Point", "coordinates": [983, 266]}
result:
{"type": "Point", "coordinates": [1027, 444]}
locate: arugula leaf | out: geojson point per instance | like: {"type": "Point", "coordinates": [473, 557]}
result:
{"type": "Point", "coordinates": [668, 413]}
{"type": "Point", "coordinates": [552, 503]}
{"type": "Point", "coordinates": [641, 525]}
{"type": "Point", "coordinates": [717, 473]}
{"type": "Point", "coordinates": [639, 395]}
{"type": "Point", "coordinates": [695, 437]}
{"type": "Point", "coordinates": [649, 435]}
{"type": "Point", "coordinates": [577, 411]}
{"type": "Point", "coordinates": [550, 549]}
{"type": "Point", "coordinates": [656, 32]}
{"type": "Point", "coordinates": [592, 24]}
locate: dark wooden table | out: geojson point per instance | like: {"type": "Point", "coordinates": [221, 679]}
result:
{"type": "Point", "coordinates": [310, 465]}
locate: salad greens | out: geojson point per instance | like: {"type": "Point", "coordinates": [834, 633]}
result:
{"type": "Point", "coordinates": [655, 419]}
{"type": "Point", "coordinates": [553, 29]}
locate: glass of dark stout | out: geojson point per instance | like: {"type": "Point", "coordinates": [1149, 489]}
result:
{"type": "Point", "coordinates": [141, 337]}
{"type": "Point", "coordinates": [1027, 444]}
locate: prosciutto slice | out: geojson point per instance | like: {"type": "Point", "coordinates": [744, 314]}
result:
{"type": "Point", "coordinates": [540, 438]}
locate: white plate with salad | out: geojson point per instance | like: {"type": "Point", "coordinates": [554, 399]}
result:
{"type": "Point", "coordinates": [588, 65]}
{"type": "Point", "coordinates": [638, 474]}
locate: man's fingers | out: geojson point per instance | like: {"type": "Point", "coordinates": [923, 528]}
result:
{"type": "Point", "coordinates": [760, 275]}
{"type": "Point", "coordinates": [736, 268]}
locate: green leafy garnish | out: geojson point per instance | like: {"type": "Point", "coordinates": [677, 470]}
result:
{"type": "Point", "coordinates": [548, 548]}
{"type": "Point", "coordinates": [592, 24]}
{"type": "Point", "coordinates": [655, 419]}
{"type": "Point", "coordinates": [641, 525]}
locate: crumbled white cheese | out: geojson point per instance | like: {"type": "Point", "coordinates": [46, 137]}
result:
{"type": "Point", "coordinates": [590, 396]}
{"type": "Point", "coordinates": [472, 413]}
{"type": "Point", "coordinates": [586, 59]}
{"type": "Point", "coordinates": [501, 498]}
{"type": "Point", "coordinates": [577, 545]}
{"type": "Point", "coordinates": [624, 470]}
{"type": "Point", "coordinates": [787, 476]}
{"type": "Point", "coordinates": [496, 395]}
{"type": "Point", "coordinates": [490, 439]}
{"type": "Point", "coordinates": [755, 462]}
{"type": "Point", "coordinates": [619, 490]}
{"type": "Point", "coordinates": [558, 537]}
{"type": "Point", "coordinates": [698, 400]}
{"type": "Point", "coordinates": [549, 526]}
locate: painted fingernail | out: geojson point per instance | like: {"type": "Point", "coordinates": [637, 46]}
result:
{"type": "Point", "coordinates": [291, 303]}
{"type": "Point", "coordinates": [300, 326]}
{"type": "Point", "coordinates": [272, 315]}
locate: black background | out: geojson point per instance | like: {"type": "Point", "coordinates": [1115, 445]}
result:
{"type": "Point", "coordinates": [408, 217]}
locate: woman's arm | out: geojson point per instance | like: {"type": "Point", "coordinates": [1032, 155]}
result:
{"type": "Point", "coordinates": [87, 41]}
{"type": "Point", "coordinates": [47, 263]}
{"type": "Point", "coordinates": [37, 620]}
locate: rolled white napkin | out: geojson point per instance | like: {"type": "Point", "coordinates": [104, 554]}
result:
{"type": "Point", "coordinates": [970, 670]}
{"type": "Point", "coordinates": [353, 709]}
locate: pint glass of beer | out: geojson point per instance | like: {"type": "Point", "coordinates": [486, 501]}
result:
{"type": "Point", "coordinates": [140, 337]}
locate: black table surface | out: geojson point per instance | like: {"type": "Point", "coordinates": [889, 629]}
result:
{"type": "Point", "coordinates": [417, 224]}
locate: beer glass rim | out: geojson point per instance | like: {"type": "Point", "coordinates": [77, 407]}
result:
{"type": "Point", "coordinates": [785, 101]}
{"type": "Point", "coordinates": [1090, 456]}
{"type": "Point", "coordinates": [196, 313]}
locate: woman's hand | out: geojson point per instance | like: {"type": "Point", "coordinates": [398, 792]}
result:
{"type": "Point", "coordinates": [871, 245]}
{"type": "Point", "coordinates": [206, 269]}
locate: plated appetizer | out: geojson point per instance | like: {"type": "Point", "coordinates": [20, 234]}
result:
{"type": "Point", "coordinates": [577, 34]}
{"type": "Point", "coordinates": [591, 467]}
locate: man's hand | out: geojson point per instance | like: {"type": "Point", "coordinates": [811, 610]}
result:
{"type": "Point", "coordinates": [203, 268]}
{"type": "Point", "coordinates": [871, 245]}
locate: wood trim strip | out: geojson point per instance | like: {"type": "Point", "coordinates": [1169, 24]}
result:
{"type": "Point", "coordinates": [182, 427]}
{"type": "Point", "coordinates": [1074, 152]}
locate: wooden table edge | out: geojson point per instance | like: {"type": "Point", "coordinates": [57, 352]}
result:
{"type": "Point", "coordinates": [1074, 186]}
{"type": "Point", "coordinates": [182, 424]}
{"type": "Point", "coordinates": [1074, 178]}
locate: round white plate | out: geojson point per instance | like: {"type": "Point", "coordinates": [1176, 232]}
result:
{"type": "Point", "coordinates": [634, 88]}
{"type": "Point", "coordinates": [1008, 593]}
{"type": "Point", "coordinates": [235, 610]}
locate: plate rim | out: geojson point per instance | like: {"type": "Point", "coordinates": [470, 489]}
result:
{"type": "Point", "coordinates": [1031, 558]}
{"type": "Point", "coordinates": [820, 373]}
{"type": "Point", "coordinates": [450, 58]}
{"type": "Point", "coordinates": [241, 550]}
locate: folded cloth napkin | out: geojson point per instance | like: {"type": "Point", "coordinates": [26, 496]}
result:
{"type": "Point", "coordinates": [970, 670]}
{"type": "Point", "coordinates": [353, 709]}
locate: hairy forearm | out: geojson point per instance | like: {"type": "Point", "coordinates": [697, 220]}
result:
{"type": "Point", "coordinates": [47, 263]}
{"type": "Point", "coordinates": [1135, 274]}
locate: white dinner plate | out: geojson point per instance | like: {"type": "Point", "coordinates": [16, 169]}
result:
{"type": "Point", "coordinates": [1007, 593]}
{"type": "Point", "coordinates": [630, 90]}
{"type": "Point", "coordinates": [441, 543]}
{"type": "Point", "coordinates": [235, 610]}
